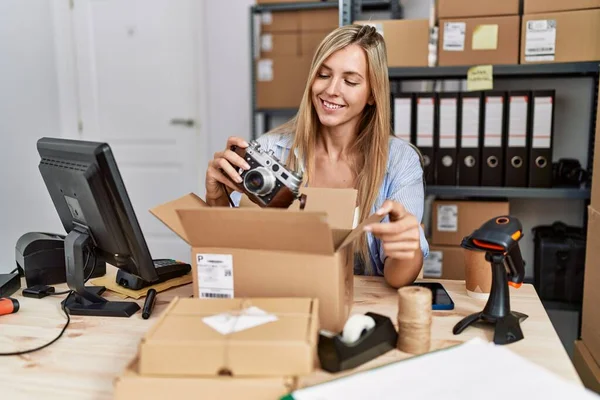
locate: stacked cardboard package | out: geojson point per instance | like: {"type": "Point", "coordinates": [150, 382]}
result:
{"type": "Point", "coordinates": [224, 348]}
{"type": "Point", "coordinates": [451, 221]}
{"type": "Point", "coordinates": [287, 42]}
{"type": "Point", "coordinates": [478, 32]}
{"type": "Point", "coordinates": [560, 31]}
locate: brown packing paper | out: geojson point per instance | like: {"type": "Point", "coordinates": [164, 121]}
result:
{"type": "Point", "coordinates": [131, 384]}
{"type": "Point", "coordinates": [110, 282]}
{"type": "Point", "coordinates": [183, 343]}
{"type": "Point", "coordinates": [478, 274]}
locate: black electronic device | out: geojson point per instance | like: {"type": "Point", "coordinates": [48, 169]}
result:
{"type": "Point", "coordinates": [499, 238]}
{"type": "Point", "coordinates": [440, 299]}
{"type": "Point", "coordinates": [336, 355]}
{"type": "Point", "coordinates": [87, 190]}
{"type": "Point", "coordinates": [9, 283]}
{"type": "Point", "coordinates": [165, 268]}
{"type": "Point", "coordinates": [40, 257]}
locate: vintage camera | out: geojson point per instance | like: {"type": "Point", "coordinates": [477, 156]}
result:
{"type": "Point", "coordinates": [268, 182]}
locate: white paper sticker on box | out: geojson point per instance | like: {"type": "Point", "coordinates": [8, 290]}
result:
{"type": "Point", "coordinates": [266, 42]}
{"type": "Point", "coordinates": [454, 36]}
{"type": "Point", "coordinates": [226, 323]}
{"type": "Point", "coordinates": [432, 265]}
{"type": "Point", "coordinates": [540, 40]}
{"type": "Point", "coordinates": [215, 275]}
{"type": "Point", "coordinates": [447, 218]}
{"type": "Point", "coordinates": [265, 70]}
{"type": "Point", "coordinates": [266, 18]}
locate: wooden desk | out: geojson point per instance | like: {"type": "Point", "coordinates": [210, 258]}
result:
{"type": "Point", "coordinates": [94, 350]}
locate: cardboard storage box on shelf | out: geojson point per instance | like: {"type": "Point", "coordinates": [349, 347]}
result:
{"type": "Point", "coordinates": [276, 252]}
{"type": "Point", "coordinates": [243, 336]}
{"type": "Point", "coordinates": [587, 368]}
{"type": "Point", "coordinates": [543, 6]}
{"type": "Point", "coordinates": [279, 44]}
{"type": "Point", "coordinates": [590, 325]}
{"type": "Point", "coordinates": [133, 385]}
{"type": "Point", "coordinates": [478, 8]}
{"type": "Point", "coordinates": [279, 21]}
{"type": "Point", "coordinates": [453, 220]}
{"type": "Point", "coordinates": [471, 41]}
{"type": "Point", "coordinates": [280, 81]}
{"type": "Point", "coordinates": [569, 36]}
{"type": "Point", "coordinates": [445, 262]}
{"type": "Point", "coordinates": [407, 41]}
{"type": "Point", "coordinates": [326, 19]}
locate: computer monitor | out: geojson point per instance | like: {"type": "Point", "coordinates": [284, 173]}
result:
{"type": "Point", "coordinates": [89, 195]}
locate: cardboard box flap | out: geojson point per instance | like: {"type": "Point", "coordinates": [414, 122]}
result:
{"type": "Point", "coordinates": [339, 204]}
{"type": "Point", "coordinates": [355, 233]}
{"type": "Point", "coordinates": [167, 214]}
{"type": "Point", "coordinates": [265, 229]}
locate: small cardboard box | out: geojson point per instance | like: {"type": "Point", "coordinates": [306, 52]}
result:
{"type": "Point", "coordinates": [473, 41]}
{"type": "Point", "coordinates": [570, 36]}
{"type": "Point", "coordinates": [407, 41]}
{"type": "Point", "coordinates": [275, 252]}
{"type": "Point", "coordinates": [309, 42]}
{"type": "Point", "coordinates": [318, 20]}
{"type": "Point", "coordinates": [479, 8]}
{"type": "Point", "coordinates": [281, 80]}
{"type": "Point", "coordinates": [453, 220]}
{"type": "Point", "coordinates": [586, 366]}
{"type": "Point", "coordinates": [279, 44]}
{"type": "Point", "coordinates": [590, 325]}
{"type": "Point", "coordinates": [544, 6]}
{"type": "Point", "coordinates": [132, 385]}
{"type": "Point", "coordinates": [241, 337]}
{"type": "Point", "coordinates": [279, 21]}
{"type": "Point", "coordinates": [445, 262]}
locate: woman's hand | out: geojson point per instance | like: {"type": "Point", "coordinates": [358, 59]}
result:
{"type": "Point", "coordinates": [400, 237]}
{"type": "Point", "coordinates": [224, 162]}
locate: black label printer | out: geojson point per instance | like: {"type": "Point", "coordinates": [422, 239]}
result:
{"type": "Point", "coordinates": [41, 259]}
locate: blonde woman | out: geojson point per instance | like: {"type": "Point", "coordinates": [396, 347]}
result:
{"type": "Point", "coordinates": [341, 138]}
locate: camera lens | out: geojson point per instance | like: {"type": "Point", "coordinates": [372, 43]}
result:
{"type": "Point", "coordinates": [259, 181]}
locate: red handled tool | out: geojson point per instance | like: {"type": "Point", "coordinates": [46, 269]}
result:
{"type": "Point", "coordinates": [499, 238]}
{"type": "Point", "coordinates": [8, 305]}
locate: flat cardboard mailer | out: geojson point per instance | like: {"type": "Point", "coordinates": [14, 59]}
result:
{"type": "Point", "coordinates": [133, 385]}
{"type": "Point", "coordinates": [275, 252]}
{"type": "Point", "coordinates": [233, 337]}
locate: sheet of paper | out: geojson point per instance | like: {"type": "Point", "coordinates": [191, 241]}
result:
{"type": "Point", "coordinates": [473, 370]}
{"type": "Point", "coordinates": [480, 77]}
{"type": "Point", "coordinates": [485, 37]}
{"type": "Point", "coordinates": [227, 323]}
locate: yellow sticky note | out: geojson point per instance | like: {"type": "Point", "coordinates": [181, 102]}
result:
{"type": "Point", "coordinates": [485, 37]}
{"type": "Point", "coordinates": [480, 77]}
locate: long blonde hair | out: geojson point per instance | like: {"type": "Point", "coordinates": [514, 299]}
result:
{"type": "Point", "coordinates": [374, 127]}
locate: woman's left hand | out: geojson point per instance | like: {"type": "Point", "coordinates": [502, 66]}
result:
{"type": "Point", "coordinates": [400, 237]}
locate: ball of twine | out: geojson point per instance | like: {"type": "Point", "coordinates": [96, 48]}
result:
{"type": "Point", "coordinates": [414, 319]}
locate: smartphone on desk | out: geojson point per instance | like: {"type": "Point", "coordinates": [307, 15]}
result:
{"type": "Point", "coordinates": [440, 298]}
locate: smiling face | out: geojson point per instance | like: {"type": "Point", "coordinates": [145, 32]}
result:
{"type": "Point", "coordinates": [341, 89]}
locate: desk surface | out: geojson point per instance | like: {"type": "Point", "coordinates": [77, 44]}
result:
{"type": "Point", "coordinates": [95, 350]}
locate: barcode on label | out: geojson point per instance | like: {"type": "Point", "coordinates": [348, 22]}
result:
{"type": "Point", "coordinates": [216, 295]}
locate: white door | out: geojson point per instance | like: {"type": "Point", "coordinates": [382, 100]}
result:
{"type": "Point", "coordinates": [137, 83]}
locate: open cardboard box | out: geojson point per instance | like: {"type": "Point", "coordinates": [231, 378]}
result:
{"type": "Point", "coordinates": [210, 337]}
{"type": "Point", "coordinates": [273, 252]}
{"type": "Point", "coordinates": [131, 384]}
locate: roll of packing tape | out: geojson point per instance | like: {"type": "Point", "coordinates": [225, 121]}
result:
{"type": "Point", "coordinates": [355, 327]}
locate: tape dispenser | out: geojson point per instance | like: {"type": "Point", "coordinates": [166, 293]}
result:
{"type": "Point", "coordinates": [364, 337]}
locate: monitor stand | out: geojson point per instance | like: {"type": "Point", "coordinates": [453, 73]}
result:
{"type": "Point", "coordinates": [86, 300]}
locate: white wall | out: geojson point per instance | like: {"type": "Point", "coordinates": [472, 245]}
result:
{"type": "Point", "coordinates": [28, 111]}
{"type": "Point", "coordinates": [227, 33]}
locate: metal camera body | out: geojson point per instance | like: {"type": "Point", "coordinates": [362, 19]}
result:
{"type": "Point", "coordinates": [268, 182]}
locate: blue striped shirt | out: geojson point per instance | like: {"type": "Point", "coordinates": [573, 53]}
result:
{"type": "Point", "coordinates": [403, 182]}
